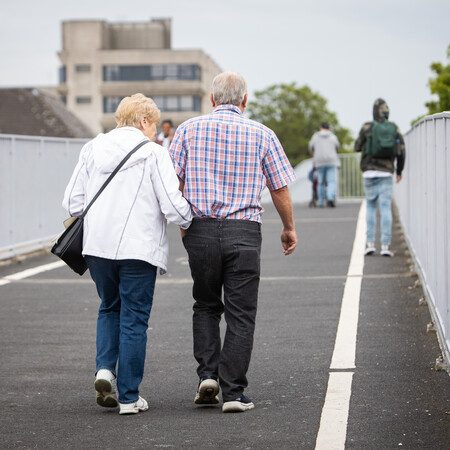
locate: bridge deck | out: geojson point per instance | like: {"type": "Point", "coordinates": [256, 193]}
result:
{"type": "Point", "coordinates": [47, 328]}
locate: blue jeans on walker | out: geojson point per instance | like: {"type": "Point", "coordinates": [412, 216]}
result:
{"type": "Point", "coordinates": [125, 288]}
{"type": "Point", "coordinates": [379, 194]}
{"type": "Point", "coordinates": [326, 178]}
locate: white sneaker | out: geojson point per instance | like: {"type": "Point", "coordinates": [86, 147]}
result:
{"type": "Point", "coordinates": [207, 391]}
{"type": "Point", "coordinates": [385, 251]}
{"type": "Point", "coordinates": [241, 404]}
{"type": "Point", "coordinates": [370, 249]}
{"type": "Point", "coordinates": [133, 408]}
{"type": "Point", "coordinates": [104, 385]}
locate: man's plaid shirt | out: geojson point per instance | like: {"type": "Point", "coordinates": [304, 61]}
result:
{"type": "Point", "coordinates": [225, 161]}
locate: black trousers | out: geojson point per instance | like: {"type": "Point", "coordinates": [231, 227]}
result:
{"type": "Point", "coordinates": [224, 255]}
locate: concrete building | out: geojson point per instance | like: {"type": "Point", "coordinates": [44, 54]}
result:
{"type": "Point", "coordinates": [103, 62]}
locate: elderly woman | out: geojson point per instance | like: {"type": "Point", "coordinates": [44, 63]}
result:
{"type": "Point", "coordinates": [125, 241]}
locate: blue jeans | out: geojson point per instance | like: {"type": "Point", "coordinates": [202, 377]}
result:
{"type": "Point", "coordinates": [379, 193]}
{"type": "Point", "coordinates": [125, 288]}
{"type": "Point", "coordinates": [326, 178]}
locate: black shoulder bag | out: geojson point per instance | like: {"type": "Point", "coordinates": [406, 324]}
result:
{"type": "Point", "coordinates": [69, 245]}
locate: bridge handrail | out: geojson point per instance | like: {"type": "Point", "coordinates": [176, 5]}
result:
{"type": "Point", "coordinates": [423, 200]}
{"type": "Point", "coordinates": [34, 171]}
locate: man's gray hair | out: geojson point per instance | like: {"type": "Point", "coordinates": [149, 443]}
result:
{"type": "Point", "coordinates": [229, 88]}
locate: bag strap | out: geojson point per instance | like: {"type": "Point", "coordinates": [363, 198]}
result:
{"type": "Point", "coordinates": [124, 160]}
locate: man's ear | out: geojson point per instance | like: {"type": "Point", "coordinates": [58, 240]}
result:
{"type": "Point", "coordinates": [212, 101]}
{"type": "Point", "coordinates": [244, 101]}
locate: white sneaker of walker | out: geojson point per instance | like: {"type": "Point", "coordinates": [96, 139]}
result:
{"type": "Point", "coordinates": [370, 249]}
{"type": "Point", "coordinates": [385, 251]}
{"type": "Point", "coordinates": [133, 408]}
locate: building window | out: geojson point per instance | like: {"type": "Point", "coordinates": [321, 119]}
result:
{"type": "Point", "coordinates": [152, 72]}
{"type": "Point", "coordinates": [159, 100]}
{"type": "Point", "coordinates": [186, 103]}
{"type": "Point", "coordinates": [169, 103]}
{"type": "Point", "coordinates": [110, 73]}
{"type": "Point", "coordinates": [157, 72]}
{"type": "Point", "coordinates": [62, 74]}
{"type": "Point", "coordinates": [197, 103]}
{"type": "Point", "coordinates": [189, 72]}
{"type": "Point", "coordinates": [171, 72]}
{"type": "Point", "coordinates": [80, 68]}
{"type": "Point", "coordinates": [111, 103]}
{"type": "Point", "coordinates": [134, 73]}
{"type": "Point", "coordinates": [126, 73]}
{"type": "Point", "coordinates": [83, 100]}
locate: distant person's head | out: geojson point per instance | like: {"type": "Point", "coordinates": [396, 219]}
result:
{"type": "Point", "coordinates": [324, 126]}
{"type": "Point", "coordinates": [166, 127]}
{"type": "Point", "coordinates": [140, 112]}
{"type": "Point", "coordinates": [380, 110]}
{"type": "Point", "coordinates": [229, 88]}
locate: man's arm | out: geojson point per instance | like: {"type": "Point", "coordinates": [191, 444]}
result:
{"type": "Point", "coordinates": [401, 156]}
{"type": "Point", "coordinates": [362, 137]}
{"type": "Point", "coordinates": [337, 143]}
{"type": "Point", "coordinates": [311, 145]}
{"type": "Point", "coordinates": [282, 201]}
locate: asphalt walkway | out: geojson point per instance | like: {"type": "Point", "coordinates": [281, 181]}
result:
{"type": "Point", "coordinates": [398, 400]}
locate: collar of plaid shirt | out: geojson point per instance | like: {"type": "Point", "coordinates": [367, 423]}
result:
{"type": "Point", "coordinates": [233, 108]}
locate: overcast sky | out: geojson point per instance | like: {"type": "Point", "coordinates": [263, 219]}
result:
{"type": "Point", "coordinates": [350, 51]}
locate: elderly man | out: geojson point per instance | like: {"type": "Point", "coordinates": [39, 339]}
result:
{"type": "Point", "coordinates": [224, 161]}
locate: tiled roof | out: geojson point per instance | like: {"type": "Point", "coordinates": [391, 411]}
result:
{"type": "Point", "coordinates": [33, 112]}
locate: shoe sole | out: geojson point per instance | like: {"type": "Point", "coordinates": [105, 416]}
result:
{"type": "Point", "coordinates": [105, 397]}
{"type": "Point", "coordinates": [234, 407]}
{"type": "Point", "coordinates": [132, 411]}
{"type": "Point", "coordinates": [207, 393]}
{"type": "Point", "coordinates": [386, 255]}
{"type": "Point", "coordinates": [370, 253]}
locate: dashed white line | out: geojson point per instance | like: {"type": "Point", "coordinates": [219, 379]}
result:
{"type": "Point", "coordinates": [333, 423]}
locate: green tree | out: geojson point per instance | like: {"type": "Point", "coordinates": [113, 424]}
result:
{"type": "Point", "coordinates": [440, 86]}
{"type": "Point", "coordinates": [294, 113]}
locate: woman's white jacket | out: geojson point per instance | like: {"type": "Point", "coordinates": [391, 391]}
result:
{"type": "Point", "coordinates": [128, 220]}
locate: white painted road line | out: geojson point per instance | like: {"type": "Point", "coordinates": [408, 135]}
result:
{"type": "Point", "coordinates": [333, 422]}
{"type": "Point", "coordinates": [345, 344]}
{"type": "Point", "coordinates": [31, 272]}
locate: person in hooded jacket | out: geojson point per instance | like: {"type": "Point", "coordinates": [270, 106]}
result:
{"type": "Point", "coordinates": [125, 241]}
{"type": "Point", "coordinates": [323, 146]}
{"type": "Point", "coordinates": [378, 182]}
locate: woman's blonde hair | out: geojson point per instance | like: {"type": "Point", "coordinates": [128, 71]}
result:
{"type": "Point", "coordinates": [133, 109]}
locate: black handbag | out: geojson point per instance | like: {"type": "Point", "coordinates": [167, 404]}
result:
{"type": "Point", "coordinates": [69, 246]}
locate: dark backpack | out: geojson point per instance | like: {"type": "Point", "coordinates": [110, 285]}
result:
{"type": "Point", "coordinates": [382, 142]}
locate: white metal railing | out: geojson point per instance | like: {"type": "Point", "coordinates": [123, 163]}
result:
{"type": "Point", "coordinates": [34, 172]}
{"type": "Point", "coordinates": [350, 176]}
{"type": "Point", "coordinates": [423, 200]}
